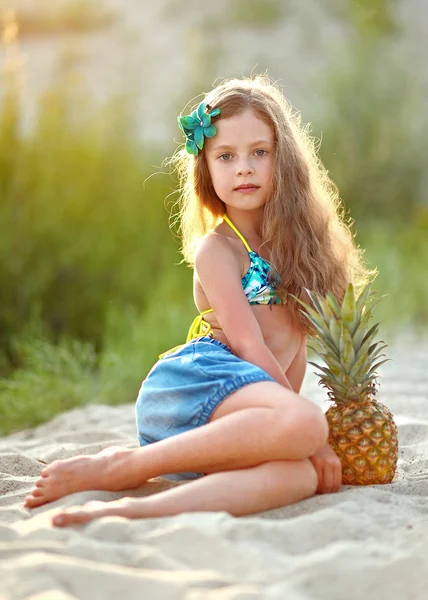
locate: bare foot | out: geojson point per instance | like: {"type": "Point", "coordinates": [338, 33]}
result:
{"type": "Point", "coordinates": [110, 469]}
{"type": "Point", "coordinates": [131, 508]}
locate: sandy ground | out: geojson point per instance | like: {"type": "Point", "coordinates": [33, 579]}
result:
{"type": "Point", "coordinates": [361, 543]}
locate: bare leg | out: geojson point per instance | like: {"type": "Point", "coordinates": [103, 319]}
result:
{"type": "Point", "coordinates": [241, 492]}
{"type": "Point", "coordinates": [239, 440]}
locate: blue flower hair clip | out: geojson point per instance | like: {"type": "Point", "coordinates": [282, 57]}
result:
{"type": "Point", "coordinates": [197, 127]}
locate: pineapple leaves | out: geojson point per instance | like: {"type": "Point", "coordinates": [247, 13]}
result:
{"type": "Point", "coordinates": [334, 365]}
{"type": "Point", "coordinates": [334, 305]}
{"type": "Point", "coordinates": [319, 324]}
{"type": "Point", "coordinates": [359, 367]}
{"type": "Point", "coordinates": [324, 339]}
{"type": "Point", "coordinates": [361, 331]}
{"type": "Point", "coordinates": [369, 336]}
{"type": "Point", "coordinates": [345, 343]}
{"type": "Point", "coordinates": [378, 351]}
{"type": "Point", "coordinates": [367, 340]}
{"type": "Point", "coordinates": [327, 346]}
{"type": "Point", "coordinates": [346, 348]}
{"type": "Point", "coordinates": [362, 298]}
{"type": "Point", "coordinates": [329, 315]}
{"type": "Point", "coordinates": [349, 311]}
{"type": "Point", "coordinates": [316, 318]}
{"type": "Point", "coordinates": [316, 302]}
{"type": "Point", "coordinates": [376, 366]}
{"type": "Point", "coordinates": [323, 369]}
{"type": "Point", "coordinates": [335, 331]}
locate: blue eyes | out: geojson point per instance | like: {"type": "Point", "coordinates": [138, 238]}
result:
{"type": "Point", "coordinates": [227, 156]}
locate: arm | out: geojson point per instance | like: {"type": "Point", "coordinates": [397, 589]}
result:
{"type": "Point", "coordinates": [219, 272]}
{"type": "Point", "coordinates": [296, 371]}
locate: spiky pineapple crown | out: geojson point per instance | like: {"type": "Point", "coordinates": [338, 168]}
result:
{"type": "Point", "coordinates": [345, 343]}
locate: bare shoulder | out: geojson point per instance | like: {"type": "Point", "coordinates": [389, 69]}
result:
{"type": "Point", "coordinates": [215, 248]}
{"type": "Point", "coordinates": [214, 240]}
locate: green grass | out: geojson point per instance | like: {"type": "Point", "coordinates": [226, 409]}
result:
{"type": "Point", "coordinates": [401, 255]}
{"type": "Point", "coordinates": [374, 151]}
{"type": "Point", "coordinates": [83, 225]}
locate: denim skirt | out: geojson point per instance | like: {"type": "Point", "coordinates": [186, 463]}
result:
{"type": "Point", "coordinates": [184, 388]}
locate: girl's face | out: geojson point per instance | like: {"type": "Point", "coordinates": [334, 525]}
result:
{"type": "Point", "coordinates": [240, 160]}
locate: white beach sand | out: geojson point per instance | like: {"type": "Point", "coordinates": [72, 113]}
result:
{"type": "Point", "coordinates": [361, 543]}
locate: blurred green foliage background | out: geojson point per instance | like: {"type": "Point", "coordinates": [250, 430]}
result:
{"type": "Point", "coordinates": [91, 288]}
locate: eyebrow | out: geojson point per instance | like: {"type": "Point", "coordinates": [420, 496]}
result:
{"type": "Point", "coordinates": [230, 147]}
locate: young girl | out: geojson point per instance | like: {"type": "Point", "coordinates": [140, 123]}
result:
{"type": "Point", "coordinates": [260, 222]}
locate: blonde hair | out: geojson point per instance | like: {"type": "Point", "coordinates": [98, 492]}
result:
{"type": "Point", "coordinates": [311, 244]}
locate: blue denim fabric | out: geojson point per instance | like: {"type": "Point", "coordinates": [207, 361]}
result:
{"type": "Point", "coordinates": [184, 388]}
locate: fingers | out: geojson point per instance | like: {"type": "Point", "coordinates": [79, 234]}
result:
{"type": "Point", "coordinates": [72, 517]}
{"type": "Point", "coordinates": [329, 470]}
{"type": "Point", "coordinates": [330, 478]}
{"type": "Point", "coordinates": [79, 515]}
{"type": "Point", "coordinates": [338, 477]}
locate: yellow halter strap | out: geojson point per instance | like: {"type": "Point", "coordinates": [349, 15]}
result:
{"type": "Point", "coordinates": [241, 237]}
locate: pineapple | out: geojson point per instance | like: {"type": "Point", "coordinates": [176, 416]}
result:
{"type": "Point", "coordinates": [362, 431]}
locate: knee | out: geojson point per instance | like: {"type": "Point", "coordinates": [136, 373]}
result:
{"type": "Point", "coordinates": [306, 427]}
{"type": "Point", "coordinates": [314, 422]}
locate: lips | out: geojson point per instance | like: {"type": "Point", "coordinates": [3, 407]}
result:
{"type": "Point", "coordinates": [247, 186]}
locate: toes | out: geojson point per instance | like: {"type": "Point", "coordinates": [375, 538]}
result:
{"type": "Point", "coordinates": [36, 497]}
{"type": "Point", "coordinates": [33, 501]}
{"type": "Point", "coordinates": [40, 483]}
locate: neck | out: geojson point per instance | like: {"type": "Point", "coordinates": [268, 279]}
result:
{"type": "Point", "coordinates": [248, 222]}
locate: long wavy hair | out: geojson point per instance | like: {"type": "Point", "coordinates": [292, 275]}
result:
{"type": "Point", "coordinates": [304, 224]}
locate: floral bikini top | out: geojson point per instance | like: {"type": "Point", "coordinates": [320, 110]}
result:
{"type": "Point", "coordinates": [256, 284]}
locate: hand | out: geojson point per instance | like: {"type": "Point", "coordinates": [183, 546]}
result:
{"type": "Point", "coordinates": [328, 468]}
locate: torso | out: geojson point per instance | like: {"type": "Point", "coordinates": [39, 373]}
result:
{"type": "Point", "coordinates": [280, 335]}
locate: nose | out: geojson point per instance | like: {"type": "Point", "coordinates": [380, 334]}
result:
{"type": "Point", "coordinates": [244, 167]}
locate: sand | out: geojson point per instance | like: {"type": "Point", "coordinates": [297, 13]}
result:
{"type": "Point", "coordinates": [361, 543]}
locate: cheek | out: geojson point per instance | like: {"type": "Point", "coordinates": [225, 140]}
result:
{"type": "Point", "coordinates": [217, 177]}
{"type": "Point", "coordinates": [269, 171]}
{"type": "Point", "coordinates": [212, 171]}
